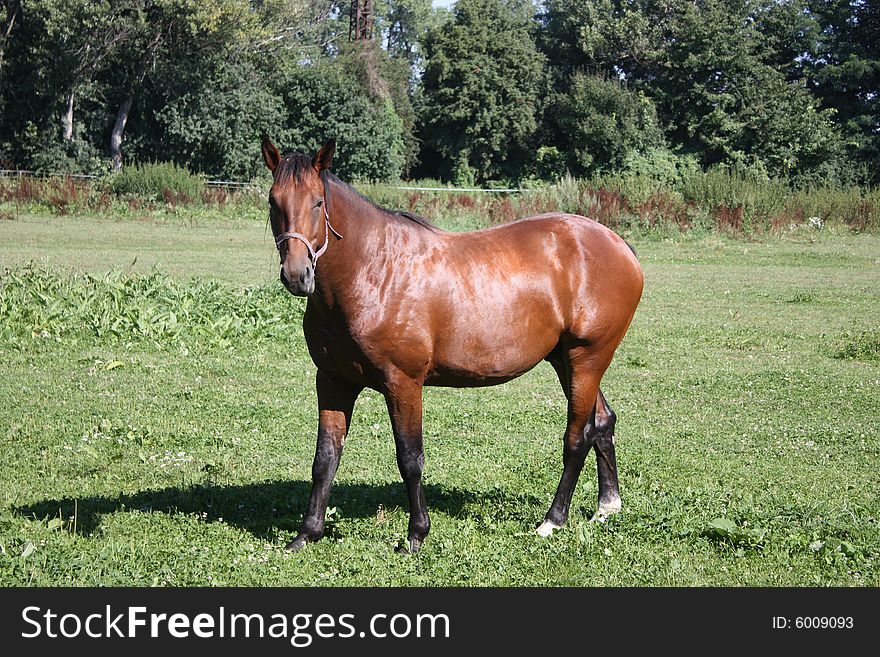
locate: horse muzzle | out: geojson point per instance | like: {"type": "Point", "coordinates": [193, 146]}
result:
{"type": "Point", "coordinates": [300, 283]}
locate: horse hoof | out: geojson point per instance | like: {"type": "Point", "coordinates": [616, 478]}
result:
{"type": "Point", "coordinates": [606, 509]}
{"type": "Point", "coordinates": [415, 544]}
{"type": "Point", "coordinates": [547, 527]}
{"type": "Point", "coordinates": [298, 543]}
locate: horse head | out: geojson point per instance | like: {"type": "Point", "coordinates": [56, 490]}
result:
{"type": "Point", "coordinates": [299, 212]}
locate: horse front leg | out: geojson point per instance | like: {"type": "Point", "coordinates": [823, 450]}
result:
{"type": "Point", "coordinates": [404, 400]}
{"type": "Point", "coordinates": [336, 399]}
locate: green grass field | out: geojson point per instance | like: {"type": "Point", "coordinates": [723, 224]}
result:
{"type": "Point", "coordinates": [157, 426]}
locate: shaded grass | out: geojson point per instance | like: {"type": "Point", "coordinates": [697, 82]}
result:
{"type": "Point", "coordinates": [748, 453]}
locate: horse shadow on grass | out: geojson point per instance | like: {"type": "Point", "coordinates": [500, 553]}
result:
{"type": "Point", "coordinates": [266, 508]}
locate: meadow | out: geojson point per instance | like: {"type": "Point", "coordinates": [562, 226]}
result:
{"type": "Point", "coordinates": [158, 420]}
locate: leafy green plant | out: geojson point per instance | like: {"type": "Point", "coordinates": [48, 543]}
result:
{"type": "Point", "coordinates": [726, 531]}
{"type": "Point", "coordinates": [801, 297]}
{"type": "Point", "coordinates": [605, 124]}
{"type": "Point", "coordinates": [35, 302]}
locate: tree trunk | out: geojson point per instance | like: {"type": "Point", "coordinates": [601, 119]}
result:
{"type": "Point", "coordinates": [67, 117]}
{"type": "Point", "coordinates": [124, 109]}
{"type": "Point", "coordinates": [118, 129]}
{"type": "Point", "coordinates": [11, 14]}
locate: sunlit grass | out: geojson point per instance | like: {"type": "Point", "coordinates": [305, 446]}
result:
{"type": "Point", "coordinates": [748, 396]}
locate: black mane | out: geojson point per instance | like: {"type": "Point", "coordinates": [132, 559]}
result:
{"type": "Point", "coordinates": [294, 165]}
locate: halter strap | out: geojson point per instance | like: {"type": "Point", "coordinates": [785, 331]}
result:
{"type": "Point", "coordinates": [313, 255]}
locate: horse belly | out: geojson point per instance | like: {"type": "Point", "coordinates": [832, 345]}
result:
{"type": "Point", "coordinates": [492, 344]}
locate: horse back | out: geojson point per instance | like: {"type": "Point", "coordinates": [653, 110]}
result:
{"type": "Point", "coordinates": [504, 297]}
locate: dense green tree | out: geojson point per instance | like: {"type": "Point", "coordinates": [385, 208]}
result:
{"type": "Point", "coordinates": [404, 24]}
{"type": "Point", "coordinates": [9, 13]}
{"type": "Point", "coordinates": [67, 54]}
{"type": "Point", "coordinates": [78, 36]}
{"type": "Point", "coordinates": [625, 38]}
{"type": "Point", "coordinates": [789, 35]}
{"type": "Point", "coordinates": [783, 87]}
{"type": "Point", "coordinates": [176, 30]}
{"type": "Point", "coordinates": [51, 51]}
{"type": "Point", "coordinates": [194, 81]}
{"type": "Point", "coordinates": [846, 74]}
{"type": "Point", "coordinates": [722, 101]}
{"type": "Point", "coordinates": [726, 77]}
{"type": "Point", "coordinates": [602, 124]}
{"type": "Point", "coordinates": [484, 88]}
{"type": "Point", "coordinates": [210, 118]}
{"type": "Point", "coordinates": [384, 79]}
{"type": "Point", "coordinates": [325, 100]}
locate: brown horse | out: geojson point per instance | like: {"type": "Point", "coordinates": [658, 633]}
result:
{"type": "Point", "coordinates": [395, 304]}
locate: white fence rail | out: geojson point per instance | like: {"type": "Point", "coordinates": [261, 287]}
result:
{"type": "Point", "coordinates": [24, 173]}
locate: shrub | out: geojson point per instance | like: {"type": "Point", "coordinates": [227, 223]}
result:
{"type": "Point", "coordinates": [549, 163]}
{"type": "Point", "coordinates": [321, 104]}
{"type": "Point", "coordinates": [158, 181]}
{"type": "Point", "coordinates": [605, 123]}
{"type": "Point", "coordinates": [659, 163]}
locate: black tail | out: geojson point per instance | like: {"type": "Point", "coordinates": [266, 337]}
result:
{"type": "Point", "coordinates": [632, 248]}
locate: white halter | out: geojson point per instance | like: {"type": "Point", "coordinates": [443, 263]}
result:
{"type": "Point", "coordinates": [313, 255]}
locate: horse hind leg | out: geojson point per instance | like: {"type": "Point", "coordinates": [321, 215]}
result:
{"type": "Point", "coordinates": [606, 461]}
{"type": "Point", "coordinates": [581, 384]}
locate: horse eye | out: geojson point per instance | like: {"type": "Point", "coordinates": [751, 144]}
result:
{"type": "Point", "coordinates": [319, 203]}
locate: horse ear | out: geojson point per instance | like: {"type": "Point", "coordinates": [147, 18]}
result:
{"type": "Point", "coordinates": [324, 157]}
{"type": "Point", "coordinates": [270, 154]}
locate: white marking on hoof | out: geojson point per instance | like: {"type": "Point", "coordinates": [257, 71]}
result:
{"type": "Point", "coordinates": [606, 509]}
{"type": "Point", "coordinates": [546, 528]}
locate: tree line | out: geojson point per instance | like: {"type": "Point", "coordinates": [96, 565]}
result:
{"type": "Point", "coordinates": [494, 90]}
